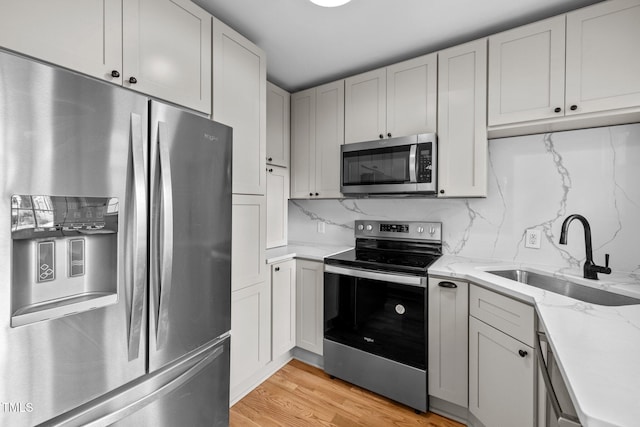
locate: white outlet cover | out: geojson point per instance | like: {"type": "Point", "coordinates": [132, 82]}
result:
{"type": "Point", "coordinates": [532, 238]}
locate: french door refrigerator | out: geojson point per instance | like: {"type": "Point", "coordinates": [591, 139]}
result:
{"type": "Point", "coordinates": [115, 249]}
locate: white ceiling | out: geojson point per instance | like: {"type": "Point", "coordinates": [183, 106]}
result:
{"type": "Point", "coordinates": [307, 45]}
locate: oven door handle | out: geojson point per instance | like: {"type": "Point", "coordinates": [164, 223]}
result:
{"type": "Point", "coordinates": [402, 279]}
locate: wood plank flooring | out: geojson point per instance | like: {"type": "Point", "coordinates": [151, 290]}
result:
{"type": "Point", "coordinates": [302, 395]}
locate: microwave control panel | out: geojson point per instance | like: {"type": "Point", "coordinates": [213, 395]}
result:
{"type": "Point", "coordinates": [424, 160]}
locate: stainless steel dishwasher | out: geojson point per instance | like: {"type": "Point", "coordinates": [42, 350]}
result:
{"type": "Point", "coordinates": [559, 410]}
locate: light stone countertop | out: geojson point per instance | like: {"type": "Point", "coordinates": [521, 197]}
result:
{"type": "Point", "coordinates": [313, 252]}
{"type": "Point", "coordinates": [597, 347]}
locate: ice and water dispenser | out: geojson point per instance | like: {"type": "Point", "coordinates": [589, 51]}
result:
{"type": "Point", "coordinates": [64, 255]}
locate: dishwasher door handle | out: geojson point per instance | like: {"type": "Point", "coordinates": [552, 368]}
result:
{"type": "Point", "coordinates": [564, 420]}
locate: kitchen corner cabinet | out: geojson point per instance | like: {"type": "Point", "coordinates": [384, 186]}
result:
{"type": "Point", "coordinates": [278, 125]}
{"type": "Point", "coordinates": [448, 340]}
{"type": "Point", "coordinates": [160, 48]}
{"type": "Point", "coordinates": [502, 371]}
{"type": "Point", "coordinates": [462, 119]}
{"type": "Point", "coordinates": [398, 100]}
{"type": "Point", "coordinates": [530, 79]}
{"type": "Point", "coordinates": [277, 206]}
{"type": "Point", "coordinates": [248, 236]}
{"type": "Point", "coordinates": [317, 132]}
{"type": "Point", "coordinates": [309, 305]}
{"type": "Point", "coordinates": [283, 307]}
{"type": "Point", "coordinates": [239, 101]}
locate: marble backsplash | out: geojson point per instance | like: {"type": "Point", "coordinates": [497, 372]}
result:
{"type": "Point", "coordinates": [535, 181]}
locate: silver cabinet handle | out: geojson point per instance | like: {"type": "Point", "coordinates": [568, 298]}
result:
{"type": "Point", "coordinates": [140, 238]}
{"type": "Point", "coordinates": [167, 237]}
{"type": "Point", "coordinates": [564, 419]}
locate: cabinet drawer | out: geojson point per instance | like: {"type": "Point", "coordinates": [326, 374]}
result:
{"type": "Point", "coordinates": [503, 313]}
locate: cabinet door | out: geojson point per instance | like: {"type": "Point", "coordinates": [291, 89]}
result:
{"type": "Point", "coordinates": [329, 138]}
{"type": "Point", "coordinates": [239, 101]}
{"type": "Point", "coordinates": [603, 65]}
{"type": "Point", "coordinates": [501, 380]}
{"type": "Point", "coordinates": [526, 72]}
{"type": "Point", "coordinates": [448, 340]}
{"type": "Point", "coordinates": [412, 96]}
{"type": "Point", "coordinates": [309, 305]}
{"type": "Point", "coordinates": [278, 126]}
{"type": "Point", "coordinates": [365, 104]}
{"type": "Point", "coordinates": [85, 36]}
{"type": "Point", "coordinates": [303, 141]}
{"type": "Point", "coordinates": [277, 209]}
{"type": "Point", "coordinates": [250, 333]}
{"type": "Point", "coordinates": [462, 120]}
{"type": "Point", "coordinates": [167, 50]}
{"type": "Point", "coordinates": [283, 307]}
{"type": "Point", "coordinates": [248, 235]}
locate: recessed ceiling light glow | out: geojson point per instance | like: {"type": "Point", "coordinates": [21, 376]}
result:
{"type": "Point", "coordinates": [330, 3]}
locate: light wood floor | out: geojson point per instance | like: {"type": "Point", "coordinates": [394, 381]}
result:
{"type": "Point", "coordinates": [302, 395]}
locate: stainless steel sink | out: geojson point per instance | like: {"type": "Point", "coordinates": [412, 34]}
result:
{"type": "Point", "coordinates": [566, 288]}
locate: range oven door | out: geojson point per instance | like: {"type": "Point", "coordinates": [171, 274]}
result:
{"type": "Point", "coordinates": [379, 313]}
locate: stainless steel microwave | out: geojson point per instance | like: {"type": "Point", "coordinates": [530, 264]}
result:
{"type": "Point", "coordinates": [404, 165]}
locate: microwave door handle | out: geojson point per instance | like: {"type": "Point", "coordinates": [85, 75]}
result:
{"type": "Point", "coordinates": [564, 420]}
{"type": "Point", "coordinates": [166, 270]}
{"type": "Point", "coordinates": [412, 163]}
{"type": "Point", "coordinates": [139, 241]}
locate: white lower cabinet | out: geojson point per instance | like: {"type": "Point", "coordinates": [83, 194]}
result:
{"type": "Point", "coordinates": [448, 340]}
{"type": "Point", "coordinates": [309, 305]}
{"type": "Point", "coordinates": [250, 333]}
{"type": "Point", "coordinates": [283, 307]}
{"type": "Point", "coordinates": [501, 366]}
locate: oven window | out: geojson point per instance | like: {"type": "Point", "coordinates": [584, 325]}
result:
{"type": "Point", "coordinates": [382, 318]}
{"type": "Point", "coordinates": [389, 165]}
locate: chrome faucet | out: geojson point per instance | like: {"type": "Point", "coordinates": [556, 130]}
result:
{"type": "Point", "coordinates": [590, 269]}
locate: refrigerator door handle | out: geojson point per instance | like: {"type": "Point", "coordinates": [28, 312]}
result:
{"type": "Point", "coordinates": [166, 269]}
{"type": "Point", "coordinates": [139, 242]}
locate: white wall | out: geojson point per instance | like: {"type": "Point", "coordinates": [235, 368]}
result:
{"type": "Point", "coordinates": [534, 182]}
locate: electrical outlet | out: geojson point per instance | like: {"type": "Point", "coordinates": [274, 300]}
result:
{"type": "Point", "coordinates": [532, 238]}
{"type": "Point", "coordinates": [321, 225]}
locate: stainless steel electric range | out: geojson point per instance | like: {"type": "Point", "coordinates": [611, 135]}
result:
{"type": "Point", "coordinates": [375, 309]}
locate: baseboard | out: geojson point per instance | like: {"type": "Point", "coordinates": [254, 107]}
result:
{"type": "Point", "coordinates": [248, 385]}
{"type": "Point", "coordinates": [308, 357]}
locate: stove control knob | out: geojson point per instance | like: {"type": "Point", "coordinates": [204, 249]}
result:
{"type": "Point", "coordinates": [369, 227]}
{"type": "Point", "coordinates": [432, 231]}
{"type": "Point", "coordinates": [360, 227]}
{"type": "Point", "coordinates": [420, 230]}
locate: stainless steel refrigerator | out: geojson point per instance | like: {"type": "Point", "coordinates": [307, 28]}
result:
{"type": "Point", "coordinates": [115, 255]}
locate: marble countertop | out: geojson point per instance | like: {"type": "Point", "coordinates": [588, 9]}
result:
{"type": "Point", "coordinates": [313, 252]}
{"type": "Point", "coordinates": [597, 347]}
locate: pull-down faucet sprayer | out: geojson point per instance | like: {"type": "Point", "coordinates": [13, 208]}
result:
{"type": "Point", "coordinates": [590, 269]}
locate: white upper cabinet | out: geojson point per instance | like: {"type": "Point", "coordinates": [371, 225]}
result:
{"type": "Point", "coordinates": [167, 51]}
{"type": "Point", "coordinates": [158, 47]}
{"type": "Point", "coordinates": [398, 100]}
{"type": "Point", "coordinates": [462, 120]}
{"type": "Point", "coordinates": [576, 70]}
{"type": "Point", "coordinates": [603, 60]}
{"type": "Point", "coordinates": [239, 101]}
{"type": "Point", "coordinates": [412, 96]}
{"type": "Point", "coordinates": [85, 36]}
{"type": "Point", "coordinates": [317, 132]}
{"type": "Point", "coordinates": [365, 106]}
{"type": "Point", "coordinates": [248, 238]}
{"type": "Point", "coordinates": [277, 205]}
{"type": "Point", "coordinates": [526, 72]}
{"type": "Point", "coordinates": [278, 125]}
